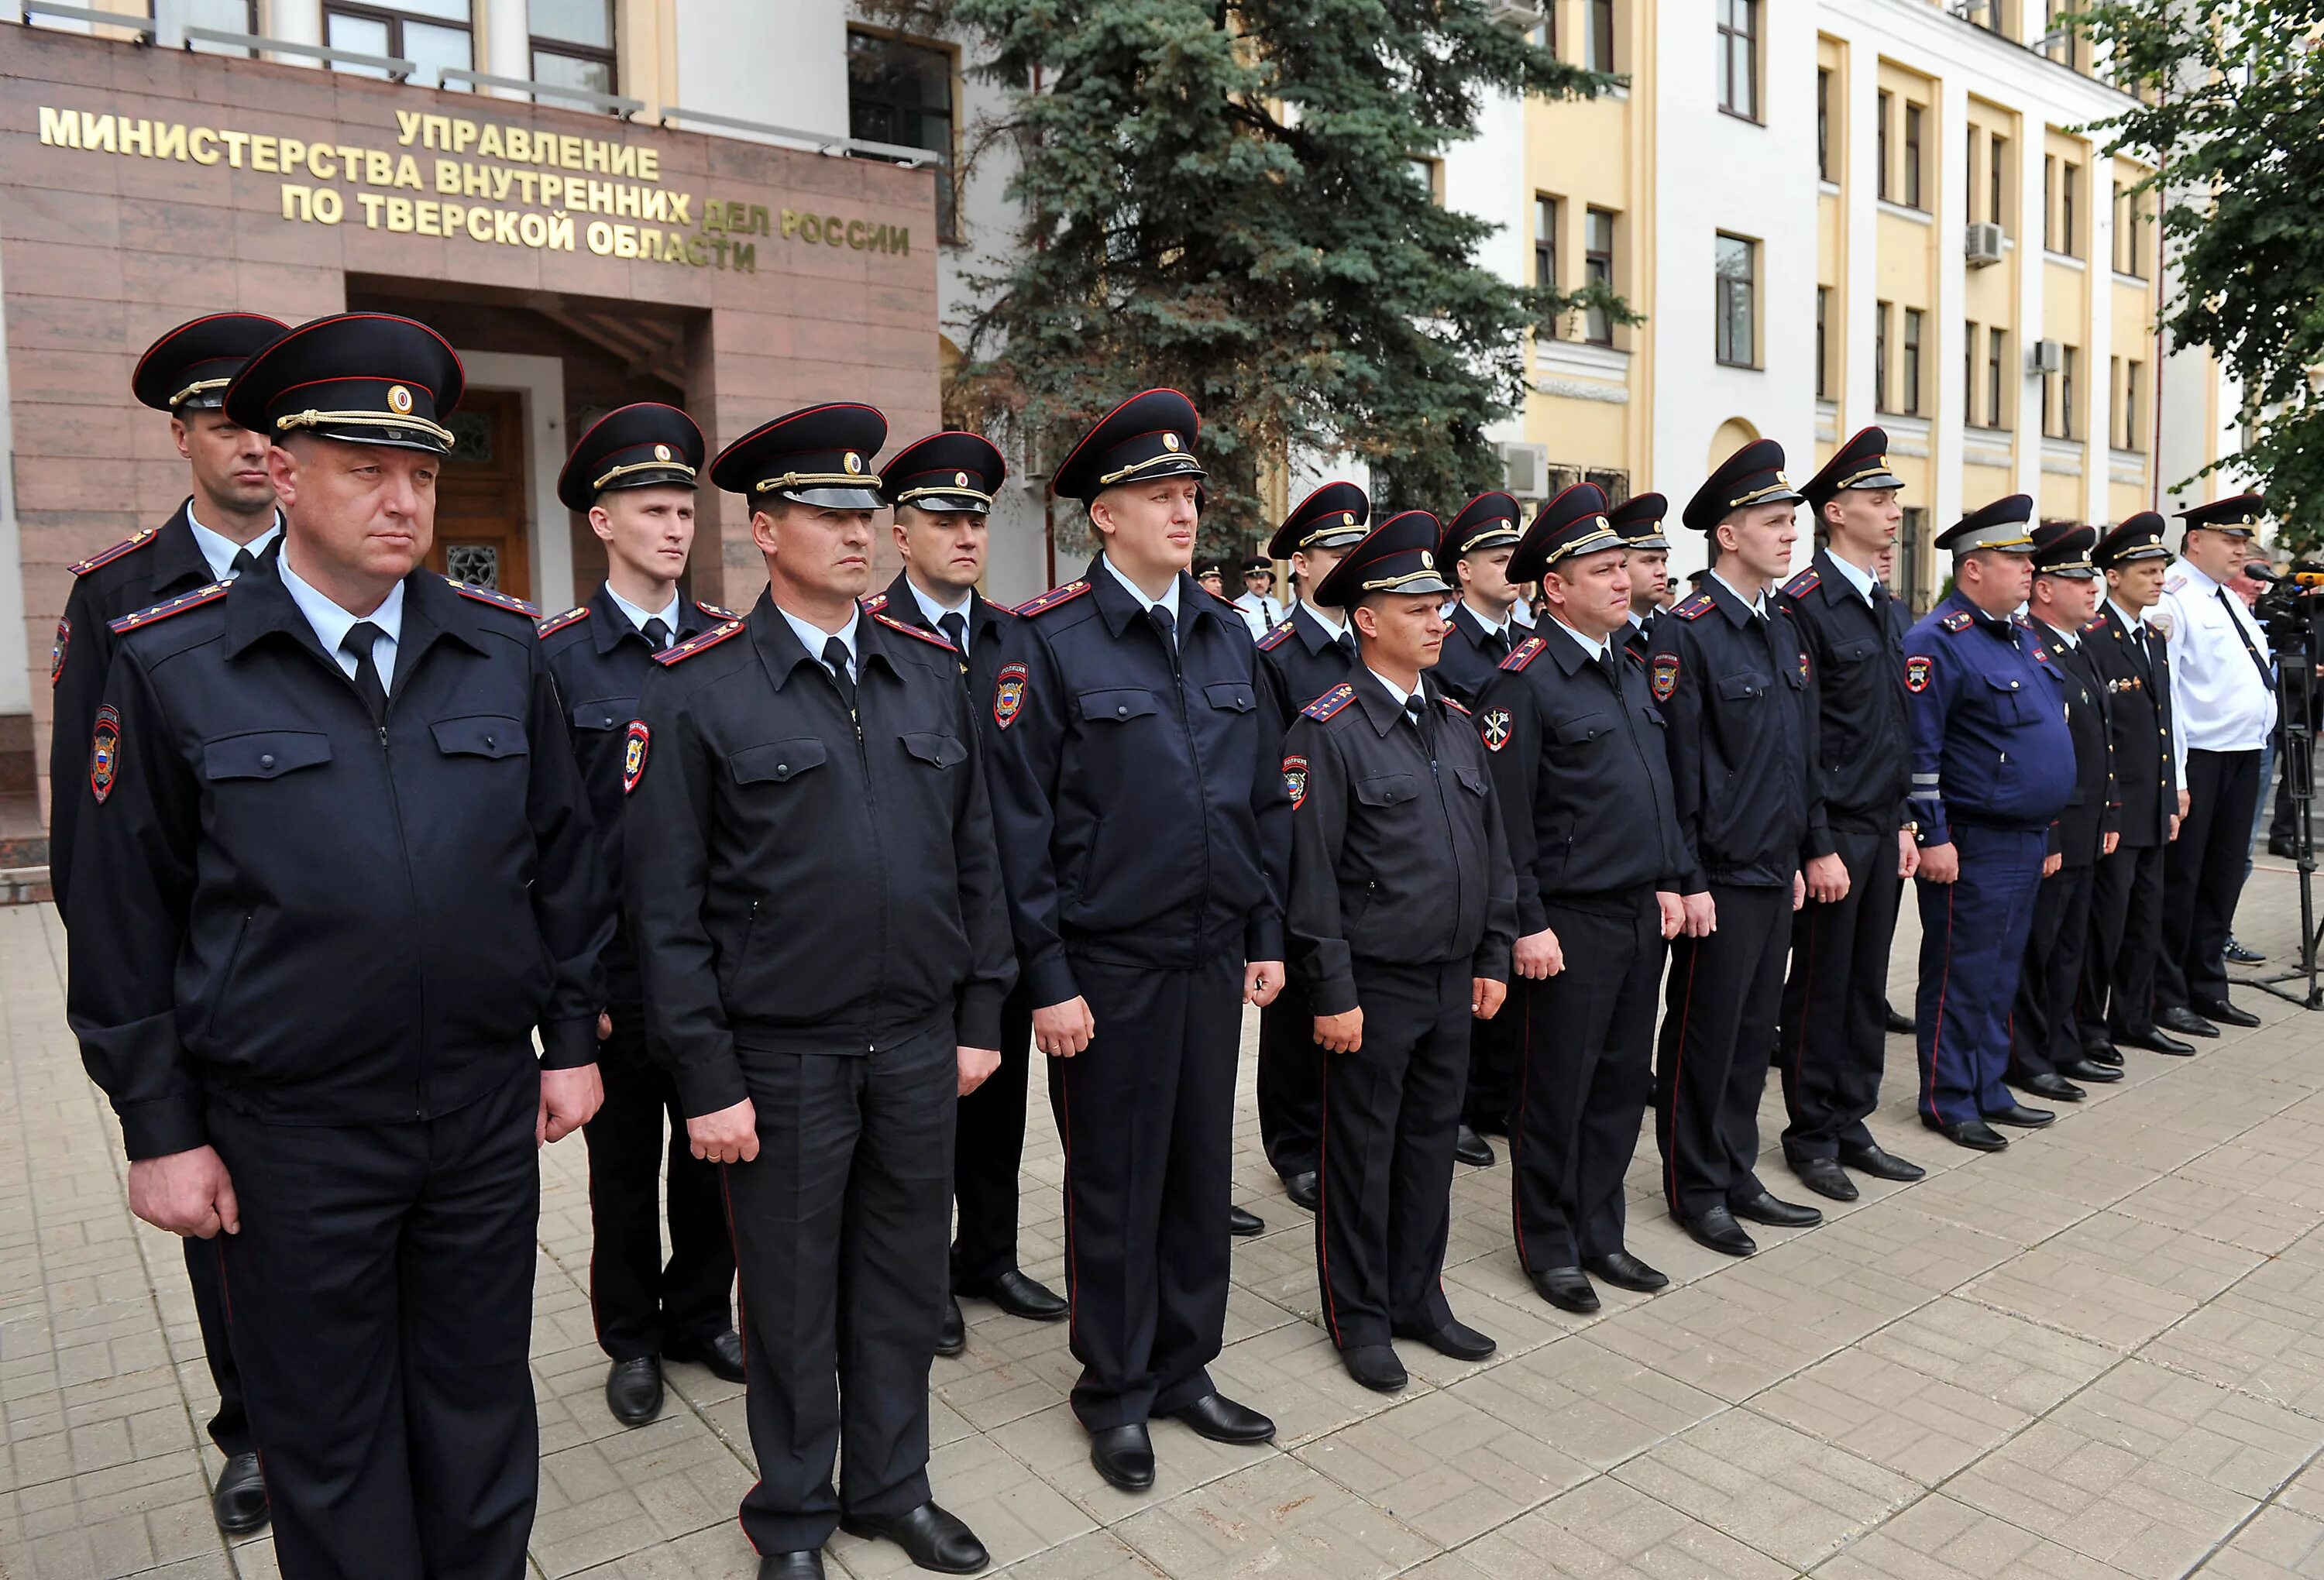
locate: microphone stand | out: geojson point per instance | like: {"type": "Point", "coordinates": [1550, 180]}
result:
{"type": "Point", "coordinates": [2295, 669]}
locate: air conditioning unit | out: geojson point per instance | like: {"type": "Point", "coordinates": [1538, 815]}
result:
{"type": "Point", "coordinates": [1525, 470]}
{"type": "Point", "coordinates": [2049, 357]}
{"type": "Point", "coordinates": [1982, 245]}
{"type": "Point", "coordinates": [1517, 15]}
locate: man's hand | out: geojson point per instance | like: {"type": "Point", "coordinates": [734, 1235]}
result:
{"type": "Point", "coordinates": [2106, 846]}
{"type": "Point", "coordinates": [187, 1193]}
{"type": "Point", "coordinates": [1698, 916]}
{"type": "Point", "coordinates": [604, 1024]}
{"type": "Point", "coordinates": [2174, 826]}
{"type": "Point", "coordinates": [730, 1135]}
{"type": "Point", "coordinates": [1064, 1030]}
{"type": "Point", "coordinates": [2050, 864]}
{"type": "Point", "coordinates": [1486, 997]}
{"type": "Point", "coordinates": [976, 1065]}
{"type": "Point", "coordinates": [1538, 956]}
{"type": "Point", "coordinates": [1827, 880]}
{"type": "Point", "coordinates": [1941, 863]}
{"type": "Point", "coordinates": [1261, 981]}
{"type": "Point", "coordinates": [1674, 911]}
{"type": "Point", "coordinates": [2186, 800]}
{"type": "Point", "coordinates": [1341, 1034]}
{"type": "Point", "coordinates": [569, 1099]}
{"type": "Point", "coordinates": [1908, 854]}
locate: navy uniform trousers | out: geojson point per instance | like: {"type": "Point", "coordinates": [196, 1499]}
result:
{"type": "Point", "coordinates": [2203, 877]}
{"type": "Point", "coordinates": [1835, 1033]}
{"type": "Point", "coordinates": [1718, 1028]}
{"type": "Point", "coordinates": [1972, 943]}
{"type": "Point", "coordinates": [987, 1151]}
{"type": "Point", "coordinates": [2044, 1032]}
{"type": "Point", "coordinates": [1290, 1083]}
{"type": "Point", "coordinates": [2117, 998]}
{"type": "Point", "coordinates": [229, 1428]}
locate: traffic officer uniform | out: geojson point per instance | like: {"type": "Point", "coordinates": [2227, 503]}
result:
{"type": "Point", "coordinates": [1145, 834]}
{"type": "Point", "coordinates": [2134, 659]}
{"type": "Point", "coordinates": [1262, 612]}
{"type": "Point", "coordinates": [962, 473]}
{"type": "Point", "coordinates": [600, 653]}
{"type": "Point", "coordinates": [2045, 1042]}
{"type": "Point", "coordinates": [335, 873]}
{"type": "Point", "coordinates": [1472, 649]}
{"type": "Point", "coordinates": [811, 880]}
{"type": "Point", "coordinates": [1993, 763]}
{"type": "Point", "coordinates": [1736, 684]}
{"type": "Point", "coordinates": [1576, 747]}
{"type": "Point", "coordinates": [1300, 660]}
{"type": "Point", "coordinates": [184, 371]}
{"type": "Point", "coordinates": [1637, 521]}
{"type": "Point", "coordinates": [1402, 898]}
{"type": "Point", "coordinates": [1834, 1033]}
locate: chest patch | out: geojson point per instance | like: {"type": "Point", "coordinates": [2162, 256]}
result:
{"type": "Point", "coordinates": [105, 754]}
{"type": "Point", "coordinates": [1665, 675]}
{"type": "Point", "coordinates": [1918, 671]}
{"type": "Point", "coordinates": [633, 755]}
{"type": "Point", "coordinates": [1294, 781]}
{"type": "Point", "coordinates": [1495, 729]}
{"type": "Point", "coordinates": [1008, 695]}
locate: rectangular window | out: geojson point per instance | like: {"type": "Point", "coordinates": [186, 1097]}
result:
{"type": "Point", "coordinates": [2070, 233]}
{"type": "Point", "coordinates": [900, 91]}
{"type": "Point", "coordinates": [1969, 163]}
{"type": "Point", "coordinates": [1913, 362]}
{"type": "Point", "coordinates": [1544, 241]}
{"type": "Point", "coordinates": [2050, 202]}
{"type": "Point", "coordinates": [1597, 40]}
{"type": "Point", "coordinates": [1597, 268]}
{"type": "Point", "coordinates": [1913, 114]}
{"type": "Point", "coordinates": [2058, 399]}
{"type": "Point", "coordinates": [573, 44]}
{"type": "Point", "coordinates": [1737, 327]}
{"type": "Point", "coordinates": [1880, 151]}
{"type": "Point", "coordinates": [1904, 579]}
{"type": "Point", "coordinates": [1823, 124]}
{"type": "Point", "coordinates": [1996, 151]}
{"type": "Point", "coordinates": [1823, 353]}
{"type": "Point", "coordinates": [1969, 342]}
{"type": "Point", "coordinates": [1997, 354]}
{"type": "Point", "coordinates": [1739, 57]}
{"type": "Point", "coordinates": [1880, 356]}
{"type": "Point", "coordinates": [2134, 427]}
{"type": "Point", "coordinates": [2114, 393]}
{"type": "Point", "coordinates": [433, 32]}
{"type": "Point", "coordinates": [225, 15]}
{"type": "Point", "coordinates": [1429, 173]}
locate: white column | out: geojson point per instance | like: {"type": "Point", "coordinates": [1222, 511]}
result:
{"type": "Point", "coordinates": [1860, 222]}
{"type": "Point", "coordinates": [294, 22]}
{"type": "Point", "coordinates": [2033, 134]}
{"type": "Point", "coordinates": [1946, 424]}
{"type": "Point", "coordinates": [508, 41]}
{"type": "Point", "coordinates": [2098, 470]}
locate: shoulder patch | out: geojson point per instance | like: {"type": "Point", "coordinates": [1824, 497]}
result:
{"type": "Point", "coordinates": [1222, 598]}
{"type": "Point", "coordinates": [2021, 621]}
{"type": "Point", "coordinates": [1053, 597]}
{"type": "Point", "coordinates": [135, 540]}
{"type": "Point", "coordinates": [178, 605]}
{"type": "Point", "coordinates": [1695, 606]}
{"type": "Point", "coordinates": [713, 612]}
{"type": "Point", "coordinates": [875, 603]}
{"type": "Point", "coordinates": [693, 645]}
{"type": "Point", "coordinates": [1275, 637]}
{"type": "Point", "coordinates": [497, 600]}
{"type": "Point", "coordinates": [1806, 582]}
{"type": "Point", "coordinates": [2097, 623]}
{"type": "Point", "coordinates": [1523, 653]}
{"type": "Point", "coordinates": [1960, 619]}
{"type": "Point", "coordinates": [558, 622]}
{"type": "Point", "coordinates": [1323, 708]}
{"type": "Point", "coordinates": [930, 638]}
{"type": "Point", "coordinates": [1919, 670]}
{"type": "Point", "coordinates": [1456, 707]}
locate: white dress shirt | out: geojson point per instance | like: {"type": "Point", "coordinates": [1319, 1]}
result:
{"type": "Point", "coordinates": [1260, 611]}
{"type": "Point", "coordinates": [1856, 577]}
{"type": "Point", "coordinates": [1394, 690]}
{"type": "Point", "coordinates": [2219, 703]}
{"type": "Point", "coordinates": [1595, 649]}
{"type": "Point", "coordinates": [1756, 601]}
{"type": "Point", "coordinates": [936, 612]}
{"type": "Point", "coordinates": [219, 550]}
{"type": "Point", "coordinates": [813, 637]}
{"type": "Point", "coordinates": [332, 624]}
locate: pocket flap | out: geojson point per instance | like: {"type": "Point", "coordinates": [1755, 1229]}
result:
{"type": "Point", "coordinates": [1121, 702]}
{"type": "Point", "coordinates": [944, 750]}
{"type": "Point", "coordinates": [778, 762]}
{"type": "Point", "coordinates": [1734, 687]}
{"type": "Point", "coordinates": [2003, 682]}
{"type": "Point", "coordinates": [1472, 778]}
{"type": "Point", "coordinates": [1588, 727]}
{"type": "Point", "coordinates": [268, 754]}
{"type": "Point", "coordinates": [1386, 790]}
{"type": "Point", "coordinates": [1856, 651]}
{"type": "Point", "coordinates": [486, 735]}
{"type": "Point", "coordinates": [605, 714]}
{"type": "Point", "coordinates": [1235, 695]}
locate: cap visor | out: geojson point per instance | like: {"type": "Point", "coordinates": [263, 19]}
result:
{"type": "Point", "coordinates": [833, 499]}
{"type": "Point", "coordinates": [383, 438]}
{"type": "Point", "coordinates": [1877, 480]}
{"type": "Point", "coordinates": [950, 504]}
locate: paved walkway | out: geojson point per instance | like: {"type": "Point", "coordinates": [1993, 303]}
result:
{"type": "Point", "coordinates": [2100, 1353]}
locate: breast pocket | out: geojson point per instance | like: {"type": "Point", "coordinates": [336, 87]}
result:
{"type": "Point", "coordinates": [1386, 790]}
{"type": "Point", "coordinates": [777, 763]}
{"type": "Point", "coordinates": [265, 754]}
{"type": "Point", "coordinates": [937, 751]}
{"type": "Point", "coordinates": [480, 735]}
{"type": "Point", "coordinates": [2007, 696]}
{"type": "Point", "coordinates": [1234, 697]}
{"type": "Point", "coordinates": [1581, 730]}
{"type": "Point", "coordinates": [1116, 705]}
{"type": "Point", "coordinates": [605, 714]}
{"type": "Point", "coordinates": [1472, 779]}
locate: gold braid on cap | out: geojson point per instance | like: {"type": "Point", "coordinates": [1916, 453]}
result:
{"type": "Point", "coordinates": [1781, 485]}
{"type": "Point", "coordinates": [817, 479]}
{"type": "Point", "coordinates": [1853, 478]}
{"type": "Point", "coordinates": [1390, 583]}
{"type": "Point", "coordinates": [384, 419]}
{"type": "Point", "coordinates": [1500, 526]}
{"type": "Point", "coordinates": [1605, 537]}
{"type": "Point", "coordinates": [197, 388]}
{"type": "Point", "coordinates": [1135, 467]}
{"type": "Point", "coordinates": [643, 466]}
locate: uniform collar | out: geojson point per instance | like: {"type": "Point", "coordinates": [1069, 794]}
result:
{"type": "Point", "coordinates": [1738, 609]}
{"type": "Point", "coordinates": [424, 608]}
{"type": "Point", "coordinates": [638, 617]}
{"type": "Point", "coordinates": [179, 562]}
{"type": "Point", "coordinates": [1313, 629]}
{"type": "Point", "coordinates": [2066, 640]}
{"type": "Point", "coordinates": [611, 622]}
{"type": "Point", "coordinates": [2200, 580]}
{"type": "Point", "coordinates": [1849, 571]}
{"type": "Point", "coordinates": [330, 622]}
{"type": "Point", "coordinates": [782, 641]}
{"type": "Point", "coordinates": [1583, 649]}
{"type": "Point", "coordinates": [1120, 602]}
{"type": "Point", "coordinates": [935, 611]}
{"type": "Point", "coordinates": [217, 550]}
{"type": "Point", "coordinates": [1383, 709]}
{"type": "Point", "coordinates": [1483, 627]}
{"type": "Point", "coordinates": [2128, 621]}
{"type": "Point", "coordinates": [2001, 624]}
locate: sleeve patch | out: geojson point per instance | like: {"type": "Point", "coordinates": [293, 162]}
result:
{"type": "Point", "coordinates": [558, 622]}
{"type": "Point", "coordinates": [693, 645]}
{"type": "Point", "coordinates": [633, 755]}
{"type": "Point", "coordinates": [106, 556]}
{"type": "Point", "coordinates": [497, 600]}
{"type": "Point", "coordinates": [160, 612]}
{"type": "Point", "coordinates": [1919, 670]}
{"type": "Point", "coordinates": [1664, 677]}
{"type": "Point", "coordinates": [105, 754]}
{"type": "Point", "coordinates": [1275, 637]}
{"type": "Point", "coordinates": [1494, 727]}
{"type": "Point", "coordinates": [1523, 653]}
{"type": "Point", "coordinates": [1009, 694]}
{"type": "Point", "coordinates": [1326, 707]}
{"type": "Point", "coordinates": [930, 638]}
{"type": "Point", "coordinates": [1053, 598]}
{"type": "Point", "coordinates": [57, 652]}
{"type": "Point", "coordinates": [1294, 781]}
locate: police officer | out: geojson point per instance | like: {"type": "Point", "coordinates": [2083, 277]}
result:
{"type": "Point", "coordinates": [2223, 707]}
{"type": "Point", "coordinates": [811, 879]}
{"type": "Point", "coordinates": [1262, 611]}
{"type": "Point", "coordinates": [1310, 652]}
{"type": "Point", "coordinates": [942, 491]}
{"type": "Point", "coordinates": [1403, 908]}
{"type": "Point", "coordinates": [2045, 1042]}
{"type": "Point", "coordinates": [1834, 1038]}
{"type": "Point", "coordinates": [228, 520]}
{"type": "Point", "coordinates": [336, 867]}
{"type": "Point", "coordinates": [1993, 763]}
{"type": "Point", "coordinates": [633, 476]}
{"type": "Point", "coordinates": [1730, 670]}
{"type": "Point", "coordinates": [2133, 656]}
{"type": "Point", "coordinates": [1485, 626]}
{"type": "Point", "coordinates": [1127, 729]}
{"type": "Point", "coordinates": [1576, 748]}
{"type": "Point", "coordinates": [1637, 521]}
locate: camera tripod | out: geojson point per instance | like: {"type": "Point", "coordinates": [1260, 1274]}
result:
{"type": "Point", "coordinates": [2295, 667]}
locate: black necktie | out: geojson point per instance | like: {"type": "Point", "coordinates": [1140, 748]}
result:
{"type": "Point", "coordinates": [359, 640]}
{"type": "Point", "coordinates": [244, 560]}
{"type": "Point", "coordinates": [1609, 669]}
{"type": "Point", "coordinates": [1166, 626]}
{"type": "Point", "coordinates": [1416, 711]}
{"type": "Point", "coordinates": [834, 653]}
{"type": "Point", "coordinates": [1501, 643]}
{"type": "Point", "coordinates": [2258, 658]}
{"type": "Point", "coordinates": [656, 633]}
{"type": "Point", "coordinates": [1346, 643]}
{"type": "Point", "coordinates": [2138, 636]}
{"type": "Point", "coordinates": [955, 627]}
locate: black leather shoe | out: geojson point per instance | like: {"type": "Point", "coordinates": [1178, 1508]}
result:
{"type": "Point", "coordinates": [1626, 1272]}
{"type": "Point", "coordinates": [1471, 1149]}
{"type": "Point", "coordinates": [2021, 1116]}
{"type": "Point", "coordinates": [1878, 1162]}
{"type": "Point", "coordinates": [1566, 1288]}
{"type": "Point", "coordinates": [2220, 1010]}
{"type": "Point", "coordinates": [1825, 1177]}
{"type": "Point", "coordinates": [1766, 1209]}
{"type": "Point", "coordinates": [633, 1391]}
{"type": "Point", "coordinates": [1124, 1455]}
{"type": "Point", "coordinates": [1895, 1024]}
{"type": "Point", "coordinates": [1243, 1225]}
{"type": "Point", "coordinates": [239, 1502]}
{"type": "Point", "coordinates": [803, 1566]}
{"type": "Point", "coordinates": [720, 1355]}
{"type": "Point", "coordinates": [1018, 1296]}
{"type": "Point", "coordinates": [2240, 954]}
{"type": "Point", "coordinates": [2162, 1042]}
{"type": "Point", "coordinates": [2279, 846]}
{"type": "Point", "coordinates": [2056, 1088]}
{"type": "Point", "coordinates": [1971, 1132]}
{"type": "Point", "coordinates": [2104, 1054]}
{"type": "Point", "coordinates": [1302, 1188]}
{"type": "Point", "coordinates": [930, 1536]}
{"type": "Point", "coordinates": [1223, 1420]}
{"type": "Point", "coordinates": [2178, 1017]}
{"type": "Point", "coordinates": [1718, 1229]}
{"type": "Point", "coordinates": [1456, 1340]}
{"type": "Point", "coordinates": [2091, 1070]}
{"type": "Point", "coordinates": [952, 1333]}
{"type": "Point", "coordinates": [1376, 1366]}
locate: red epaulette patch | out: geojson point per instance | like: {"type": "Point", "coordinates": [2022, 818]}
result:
{"type": "Point", "coordinates": [875, 603]}
{"type": "Point", "coordinates": [2041, 655]}
{"type": "Point", "coordinates": [1325, 706]}
{"type": "Point", "coordinates": [714, 613]}
{"type": "Point", "coordinates": [497, 600]}
{"type": "Point", "coordinates": [1960, 619]}
{"type": "Point", "coordinates": [1456, 707]}
{"type": "Point", "coordinates": [1523, 653]}
{"type": "Point", "coordinates": [1695, 607]}
{"type": "Point", "coordinates": [106, 557]}
{"type": "Point", "coordinates": [558, 622]}
{"type": "Point", "coordinates": [178, 605]}
{"type": "Point", "coordinates": [1806, 582]}
{"type": "Point", "coordinates": [2097, 623]}
{"type": "Point", "coordinates": [1275, 637]}
{"type": "Point", "coordinates": [930, 638]}
{"type": "Point", "coordinates": [1053, 598]}
{"type": "Point", "coordinates": [693, 645]}
{"type": "Point", "coordinates": [1222, 598]}
{"type": "Point", "coordinates": [2021, 621]}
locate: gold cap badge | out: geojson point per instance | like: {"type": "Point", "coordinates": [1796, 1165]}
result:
{"type": "Point", "coordinates": [399, 399]}
{"type": "Point", "coordinates": [661, 452]}
{"type": "Point", "coordinates": [1169, 441]}
{"type": "Point", "coordinates": [852, 461]}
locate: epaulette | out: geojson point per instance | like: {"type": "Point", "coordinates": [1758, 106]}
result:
{"type": "Point", "coordinates": [893, 624]}
{"type": "Point", "coordinates": [1456, 707]}
{"type": "Point", "coordinates": [558, 622]}
{"type": "Point", "coordinates": [714, 613]}
{"type": "Point", "coordinates": [1806, 582]}
{"type": "Point", "coordinates": [1222, 598]}
{"type": "Point", "coordinates": [135, 540]}
{"type": "Point", "coordinates": [497, 600]}
{"type": "Point", "coordinates": [1523, 653]}
{"type": "Point", "coordinates": [178, 605]}
{"type": "Point", "coordinates": [1324, 707]}
{"type": "Point", "coordinates": [693, 645]}
{"type": "Point", "coordinates": [1275, 637]}
{"type": "Point", "coordinates": [1695, 606]}
{"type": "Point", "coordinates": [1960, 619]}
{"type": "Point", "coordinates": [2097, 623]}
{"type": "Point", "coordinates": [1053, 598]}
{"type": "Point", "coordinates": [875, 602]}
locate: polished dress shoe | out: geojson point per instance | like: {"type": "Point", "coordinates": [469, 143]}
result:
{"type": "Point", "coordinates": [2056, 1088]}
{"type": "Point", "coordinates": [1223, 1420]}
{"type": "Point", "coordinates": [2020, 1115]}
{"type": "Point", "coordinates": [1018, 1296]}
{"type": "Point", "coordinates": [720, 1355]}
{"type": "Point", "coordinates": [800, 1566]}
{"type": "Point", "coordinates": [1302, 1187]}
{"type": "Point", "coordinates": [1243, 1225]}
{"type": "Point", "coordinates": [1124, 1455]}
{"type": "Point", "coordinates": [2178, 1017]}
{"type": "Point", "coordinates": [2277, 845]}
{"type": "Point", "coordinates": [1566, 1288]}
{"type": "Point", "coordinates": [1626, 1272]}
{"type": "Point", "coordinates": [1971, 1132]}
{"type": "Point", "coordinates": [1718, 1229]}
{"type": "Point", "coordinates": [1895, 1024]}
{"type": "Point", "coordinates": [2091, 1070]}
{"type": "Point", "coordinates": [1766, 1209]}
{"type": "Point", "coordinates": [1825, 1177]}
{"type": "Point", "coordinates": [239, 1502]}
{"type": "Point", "coordinates": [1455, 1340]}
{"type": "Point", "coordinates": [930, 1536]}
{"type": "Point", "coordinates": [1376, 1366]}
{"type": "Point", "coordinates": [2104, 1054]}
{"type": "Point", "coordinates": [2161, 1042]}
{"type": "Point", "coordinates": [1878, 1162]}
{"type": "Point", "coordinates": [633, 1391]}
{"type": "Point", "coordinates": [1471, 1149]}
{"type": "Point", "coordinates": [2220, 1010]}
{"type": "Point", "coordinates": [2240, 954]}
{"type": "Point", "coordinates": [952, 1333]}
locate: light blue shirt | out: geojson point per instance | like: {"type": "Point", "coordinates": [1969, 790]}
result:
{"type": "Point", "coordinates": [1595, 650]}
{"type": "Point", "coordinates": [332, 623]}
{"type": "Point", "coordinates": [219, 550]}
{"type": "Point", "coordinates": [1856, 576]}
{"type": "Point", "coordinates": [667, 616]}
{"type": "Point", "coordinates": [1756, 601]}
{"type": "Point", "coordinates": [1169, 599]}
{"type": "Point", "coordinates": [813, 636]}
{"type": "Point", "coordinates": [1394, 690]}
{"type": "Point", "coordinates": [936, 612]}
